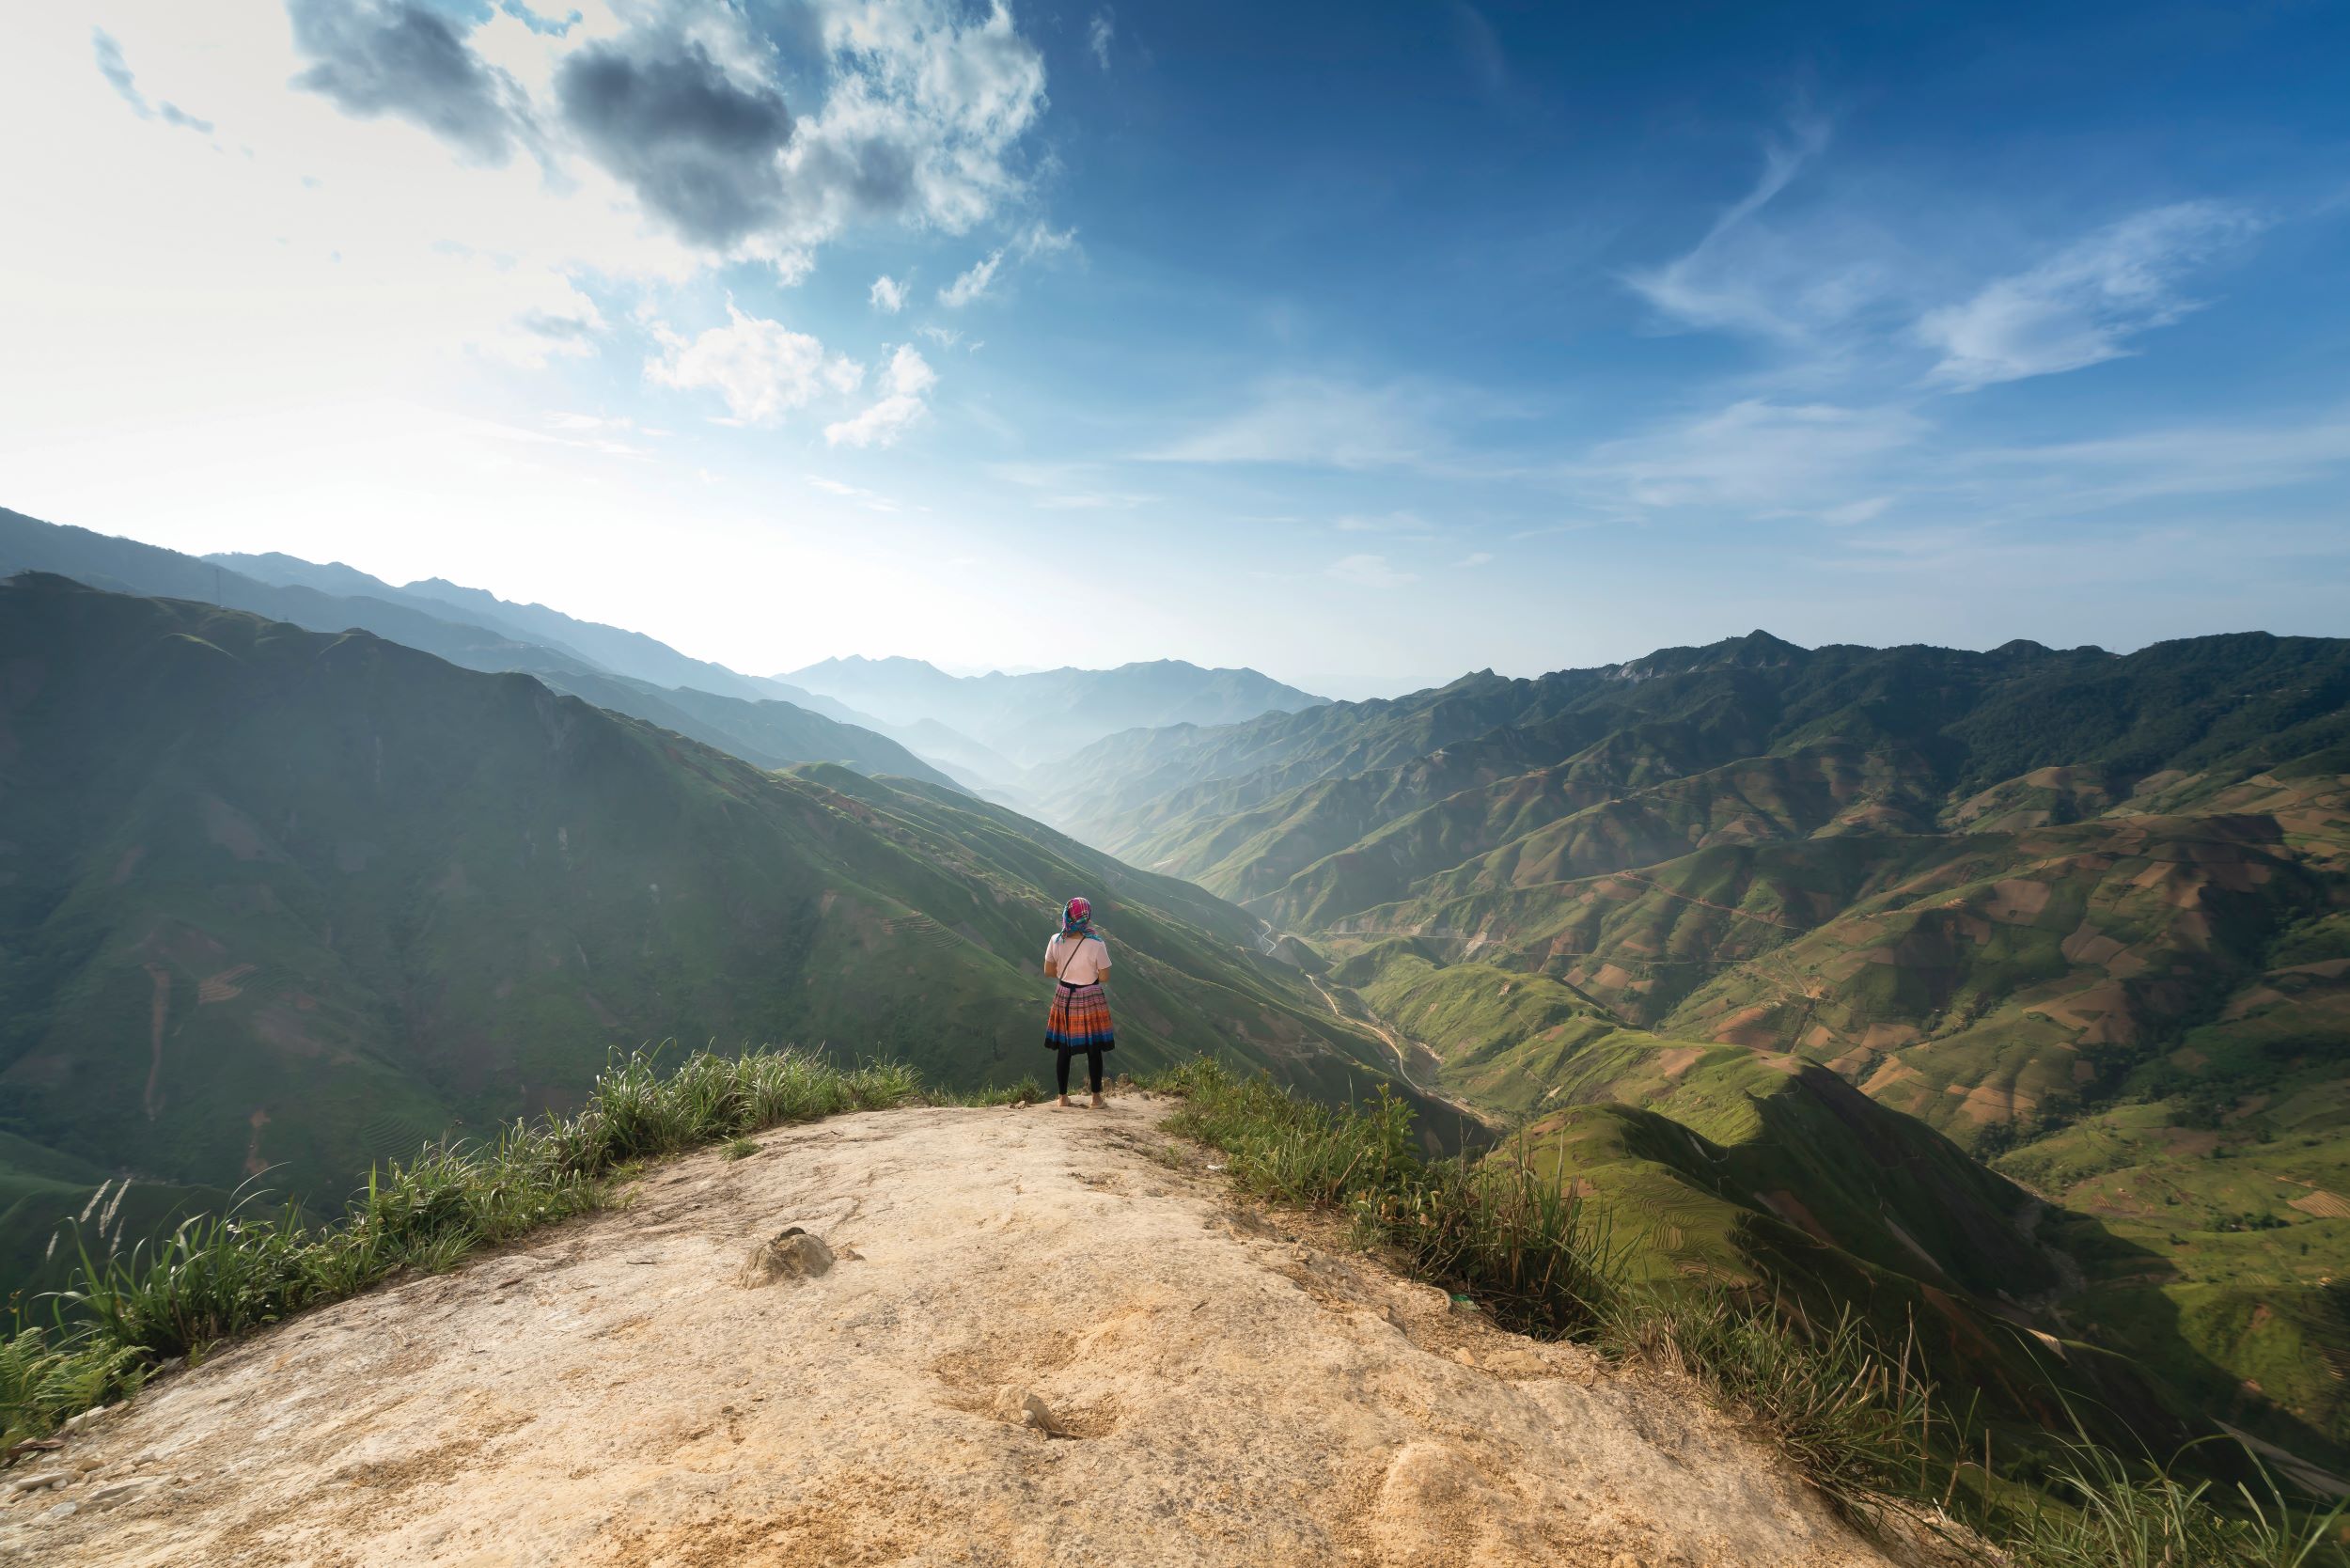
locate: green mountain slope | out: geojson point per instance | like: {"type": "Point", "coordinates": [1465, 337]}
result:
{"type": "Point", "coordinates": [276, 900]}
{"type": "Point", "coordinates": [2077, 911]}
{"type": "Point", "coordinates": [758, 728]}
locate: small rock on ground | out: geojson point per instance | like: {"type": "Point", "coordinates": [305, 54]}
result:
{"type": "Point", "coordinates": [794, 1255]}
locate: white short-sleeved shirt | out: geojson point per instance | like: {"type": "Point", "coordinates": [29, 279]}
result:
{"type": "Point", "coordinates": [1089, 963]}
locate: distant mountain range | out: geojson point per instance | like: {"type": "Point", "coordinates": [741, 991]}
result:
{"type": "Point", "coordinates": [1045, 716]}
{"type": "Point", "coordinates": [2088, 914]}
{"type": "Point", "coordinates": [981, 733]}
{"type": "Point", "coordinates": [284, 900]}
{"type": "Point", "coordinates": [1998, 996]}
{"type": "Point", "coordinates": [763, 726]}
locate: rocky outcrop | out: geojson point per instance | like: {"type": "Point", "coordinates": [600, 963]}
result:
{"type": "Point", "coordinates": [1045, 1336]}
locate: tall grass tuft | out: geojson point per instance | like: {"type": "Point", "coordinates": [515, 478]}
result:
{"type": "Point", "coordinates": [1855, 1418]}
{"type": "Point", "coordinates": [2106, 1513]}
{"type": "Point", "coordinates": [1495, 1230]}
{"type": "Point", "coordinates": [1852, 1414]}
{"type": "Point", "coordinates": [218, 1276]}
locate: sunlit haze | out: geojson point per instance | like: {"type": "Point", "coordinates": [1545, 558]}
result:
{"type": "Point", "coordinates": [1363, 345]}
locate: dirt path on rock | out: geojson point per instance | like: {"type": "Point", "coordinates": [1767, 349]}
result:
{"type": "Point", "coordinates": [610, 1396]}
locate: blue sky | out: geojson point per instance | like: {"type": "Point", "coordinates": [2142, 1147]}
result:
{"type": "Point", "coordinates": [1363, 344]}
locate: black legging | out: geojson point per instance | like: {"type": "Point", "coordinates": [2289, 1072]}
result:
{"type": "Point", "coordinates": [1093, 1068]}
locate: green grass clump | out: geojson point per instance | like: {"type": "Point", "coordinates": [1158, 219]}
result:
{"type": "Point", "coordinates": [45, 1378]}
{"type": "Point", "coordinates": [2108, 1513]}
{"type": "Point", "coordinates": [1856, 1420]}
{"type": "Point", "coordinates": [218, 1276]}
{"type": "Point", "coordinates": [1855, 1416]}
{"type": "Point", "coordinates": [1027, 1092]}
{"type": "Point", "coordinates": [1522, 1246]}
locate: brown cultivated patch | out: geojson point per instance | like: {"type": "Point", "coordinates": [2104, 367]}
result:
{"type": "Point", "coordinates": [1984, 1104]}
{"type": "Point", "coordinates": [2322, 1204]}
{"type": "Point", "coordinates": [223, 987]}
{"type": "Point", "coordinates": [2088, 945]}
{"type": "Point", "coordinates": [2015, 900]}
{"type": "Point", "coordinates": [1677, 1059]}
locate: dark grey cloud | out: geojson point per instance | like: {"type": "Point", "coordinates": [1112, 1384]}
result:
{"type": "Point", "coordinates": [697, 147]}
{"type": "Point", "coordinates": [402, 57]}
{"type": "Point", "coordinates": [116, 71]}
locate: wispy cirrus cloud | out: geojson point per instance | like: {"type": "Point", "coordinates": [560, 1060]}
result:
{"type": "Point", "coordinates": [1326, 422]}
{"type": "Point", "coordinates": [1754, 456]}
{"type": "Point", "coordinates": [1373, 571]}
{"type": "Point", "coordinates": [1071, 486]}
{"type": "Point", "coordinates": [2082, 306]}
{"type": "Point", "coordinates": [116, 71]}
{"type": "Point", "coordinates": [1745, 276]}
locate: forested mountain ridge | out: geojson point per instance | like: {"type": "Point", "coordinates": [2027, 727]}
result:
{"type": "Point", "coordinates": [273, 899]}
{"type": "Point", "coordinates": [764, 727]}
{"type": "Point", "coordinates": [2087, 913]}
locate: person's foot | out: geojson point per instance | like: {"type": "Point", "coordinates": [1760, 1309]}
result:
{"type": "Point", "coordinates": [1061, 1103]}
{"type": "Point", "coordinates": [1097, 1102]}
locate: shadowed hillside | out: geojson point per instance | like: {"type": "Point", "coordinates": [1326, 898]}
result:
{"type": "Point", "coordinates": [2081, 912]}
{"type": "Point", "coordinates": [273, 900]}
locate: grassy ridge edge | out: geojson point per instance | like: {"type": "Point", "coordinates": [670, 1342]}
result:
{"type": "Point", "coordinates": [219, 1275]}
{"type": "Point", "coordinates": [1852, 1414]}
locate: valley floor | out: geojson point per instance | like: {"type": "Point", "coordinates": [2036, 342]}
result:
{"type": "Point", "coordinates": [1225, 1391]}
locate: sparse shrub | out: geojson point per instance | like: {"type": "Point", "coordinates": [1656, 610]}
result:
{"type": "Point", "coordinates": [2107, 1512]}
{"type": "Point", "coordinates": [1853, 1414]}
{"type": "Point", "coordinates": [217, 1275]}
{"type": "Point", "coordinates": [47, 1376]}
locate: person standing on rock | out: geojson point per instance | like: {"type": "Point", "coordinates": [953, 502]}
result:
{"type": "Point", "coordinates": [1080, 1019]}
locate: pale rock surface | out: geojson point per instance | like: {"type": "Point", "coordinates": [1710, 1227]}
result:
{"type": "Point", "coordinates": [1040, 1345]}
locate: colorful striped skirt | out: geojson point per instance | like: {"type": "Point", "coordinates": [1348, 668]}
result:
{"type": "Point", "coordinates": [1080, 1020]}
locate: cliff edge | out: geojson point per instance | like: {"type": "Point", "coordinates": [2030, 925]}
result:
{"type": "Point", "coordinates": [1028, 1336]}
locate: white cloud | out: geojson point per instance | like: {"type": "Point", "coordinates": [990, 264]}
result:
{"type": "Point", "coordinates": [870, 500]}
{"type": "Point", "coordinates": [945, 336]}
{"type": "Point", "coordinates": [762, 369]}
{"type": "Point", "coordinates": [887, 295]}
{"type": "Point", "coordinates": [973, 284]}
{"type": "Point", "coordinates": [1476, 558]}
{"type": "Point", "coordinates": [1744, 276]}
{"type": "Point", "coordinates": [1098, 34]}
{"type": "Point", "coordinates": [2072, 477]}
{"type": "Point", "coordinates": [1068, 486]}
{"type": "Point", "coordinates": [1368, 571]}
{"type": "Point", "coordinates": [1385, 523]}
{"type": "Point", "coordinates": [909, 379]}
{"type": "Point", "coordinates": [1756, 456]}
{"type": "Point", "coordinates": [2081, 307]}
{"type": "Point", "coordinates": [1315, 422]}
{"type": "Point", "coordinates": [1868, 509]}
{"type": "Point", "coordinates": [1042, 238]}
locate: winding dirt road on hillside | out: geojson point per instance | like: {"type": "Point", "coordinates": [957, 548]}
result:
{"type": "Point", "coordinates": [1213, 1387]}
